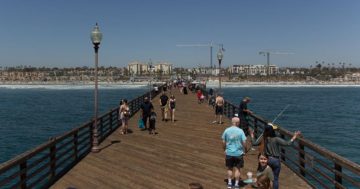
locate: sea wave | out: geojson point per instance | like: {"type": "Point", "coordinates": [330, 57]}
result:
{"type": "Point", "coordinates": [278, 85]}
{"type": "Point", "coordinates": [77, 87]}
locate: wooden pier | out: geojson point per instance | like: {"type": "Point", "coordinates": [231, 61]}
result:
{"type": "Point", "coordinates": [188, 150]}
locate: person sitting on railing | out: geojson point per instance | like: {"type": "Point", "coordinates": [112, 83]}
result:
{"type": "Point", "coordinates": [271, 148]}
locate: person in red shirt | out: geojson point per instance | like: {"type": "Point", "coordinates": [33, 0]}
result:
{"type": "Point", "coordinates": [199, 94]}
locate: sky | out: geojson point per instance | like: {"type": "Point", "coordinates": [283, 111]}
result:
{"type": "Point", "coordinates": [56, 33]}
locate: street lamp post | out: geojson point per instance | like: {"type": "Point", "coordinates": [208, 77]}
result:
{"type": "Point", "coordinates": [150, 70]}
{"type": "Point", "coordinates": [96, 37]}
{"type": "Point", "coordinates": [220, 56]}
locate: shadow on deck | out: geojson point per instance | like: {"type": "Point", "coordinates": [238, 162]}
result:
{"type": "Point", "coordinates": [189, 150]}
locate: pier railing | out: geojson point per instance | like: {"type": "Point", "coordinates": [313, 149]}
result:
{"type": "Point", "coordinates": [42, 166]}
{"type": "Point", "coordinates": [316, 165]}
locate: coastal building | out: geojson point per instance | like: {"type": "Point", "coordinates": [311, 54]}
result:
{"type": "Point", "coordinates": [206, 71]}
{"type": "Point", "coordinates": [138, 68]}
{"type": "Point", "coordinates": [253, 69]}
{"type": "Point", "coordinates": [163, 68]}
{"type": "Point", "coordinates": [141, 68]}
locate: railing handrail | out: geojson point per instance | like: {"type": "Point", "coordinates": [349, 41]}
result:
{"type": "Point", "coordinates": [338, 161]}
{"type": "Point", "coordinates": [72, 144]}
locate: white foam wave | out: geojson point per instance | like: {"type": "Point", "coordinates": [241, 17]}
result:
{"type": "Point", "coordinates": [278, 85]}
{"type": "Point", "coordinates": [72, 87]}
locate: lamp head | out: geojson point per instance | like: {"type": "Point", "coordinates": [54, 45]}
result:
{"type": "Point", "coordinates": [96, 35]}
{"type": "Point", "coordinates": [220, 55]}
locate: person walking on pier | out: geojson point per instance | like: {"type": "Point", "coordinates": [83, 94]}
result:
{"type": "Point", "coordinates": [119, 114]}
{"type": "Point", "coordinates": [146, 109]}
{"type": "Point", "coordinates": [163, 105]}
{"type": "Point", "coordinates": [272, 145]}
{"type": "Point", "coordinates": [234, 145]}
{"type": "Point", "coordinates": [199, 96]}
{"type": "Point", "coordinates": [244, 113]}
{"type": "Point", "coordinates": [172, 103]}
{"type": "Point", "coordinates": [152, 122]}
{"type": "Point", "coordinates": [219, 108]}
{"type": "Point", "coordinates": [124, 116]}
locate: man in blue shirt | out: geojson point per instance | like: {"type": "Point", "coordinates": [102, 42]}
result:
{"type": "Point", "coordinates": [234, 145]}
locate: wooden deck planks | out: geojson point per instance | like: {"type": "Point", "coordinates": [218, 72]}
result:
{"type": "Point", "coordinates": [188, 150]}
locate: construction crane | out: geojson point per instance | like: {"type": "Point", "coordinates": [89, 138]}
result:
{"type": "Point", "coordinates": [267, 54]}
{"type": "Point", "coordinates": [211, 45]}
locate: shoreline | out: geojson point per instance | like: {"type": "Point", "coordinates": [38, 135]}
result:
{"type": "Point", "coordinates": [208, 83]}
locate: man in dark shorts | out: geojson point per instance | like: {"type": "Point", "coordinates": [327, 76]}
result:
{"type": "Point", "coordinates": [146, 109]}
{"type": "Point", "coordinates": [219, 108]}
{"type": "Point", "coordinates": [234, 145]}
{"type": "Point", "coordinates": [244, 113]}
{"type": "Point", "coordinates": [163, 105]}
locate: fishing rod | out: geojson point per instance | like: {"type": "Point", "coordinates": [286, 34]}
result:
{"type": "Point", "coordinates": [282, 111]}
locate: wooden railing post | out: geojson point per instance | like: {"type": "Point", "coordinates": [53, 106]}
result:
{"type": "Point", "coordinates": [256, 129]}
{"type": "Point", "coordinates": [111, 120]}
{"type": "Point", "coordinates": [282, 149]}
{"type": "Point", "coordinates": [23, 169]}
{"type": "Point", "coordinates": [233, 110]}
{"type": "Point", "coordinates": [338, 177]}
{"type": "Point", "coordinates": [101, 128]}
{"type": "Point", "coordinates": [53, 161]}
{"type": "Point", "coordinates": [75, 141]}
{"type": "Point", "coordinates": [302, 158]}
{"type": "Point", "coordinates": [228, 110]}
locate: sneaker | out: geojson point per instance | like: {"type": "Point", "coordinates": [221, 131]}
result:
{"type": "Point", "coordinates": [229, 186]}
{"type": "Point", "coordinates": [236, 187]}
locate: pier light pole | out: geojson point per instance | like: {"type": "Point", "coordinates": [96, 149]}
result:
{"type": "Point", "coordinates": [96, 37]}
{"type": "Point", "coordinates": [220, 56]}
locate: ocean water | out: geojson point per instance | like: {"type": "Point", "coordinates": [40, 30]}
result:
{"type": "Point", "coordinates": [30, 115]}
{"type": "Point", "coordinates": [328, 116]}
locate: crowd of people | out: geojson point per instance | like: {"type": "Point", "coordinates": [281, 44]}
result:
{"type": "Point", "coordinates": [239, 138]}
{"type": "Point", "coordinates": [235, 138]}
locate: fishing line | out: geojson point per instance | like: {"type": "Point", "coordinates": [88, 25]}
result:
{"type": "Point", "coordinates": [282, 111]}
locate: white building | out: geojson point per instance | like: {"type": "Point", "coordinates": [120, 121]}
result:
{"type": "Point", "coordinates": [140, 68]}
{"type": "Point", "coordinates": [137, 68]}
{"type": "Point", "coordinates": [164, 68]}
{"type": "Point", "coordinates": [253, 69]}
